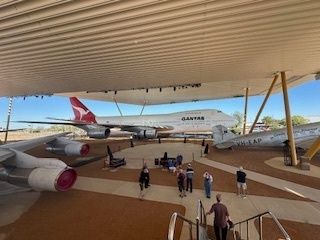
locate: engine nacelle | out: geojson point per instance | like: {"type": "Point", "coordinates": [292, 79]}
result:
{"type": "Point", "coordinates": [48, 179]}
{"type": "Point", "coordinates": [64, 146]}
{"type": "Point", "coordinates": [100, 133]}
{"type": "Point", "coordinates": [147, 133]}
{"type": "Point", "coordinates": [71, 149]}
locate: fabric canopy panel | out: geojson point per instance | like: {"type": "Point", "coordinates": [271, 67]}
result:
{"type": "Point", "coordinates": [218, 47]}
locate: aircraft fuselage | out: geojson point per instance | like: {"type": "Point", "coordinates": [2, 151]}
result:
{"type": "Point", "coordinates": [188, 121]}
{"type": "Point", "coordinates": [277, 137]}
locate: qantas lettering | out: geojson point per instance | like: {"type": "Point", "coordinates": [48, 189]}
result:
{"type": "Point", "coordinates": [192, 118]}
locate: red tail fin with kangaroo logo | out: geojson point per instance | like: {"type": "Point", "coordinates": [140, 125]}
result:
{"type": "Point", "coordinates": [81, 112]}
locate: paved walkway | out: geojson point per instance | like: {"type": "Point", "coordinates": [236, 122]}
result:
{"type": "Point", "coordinates": [149, 152]}
{"type": "Point", "coordinates": [300, 190]}
{"type": "Point", "coordinates": [239, 209]}
{"type": "Point", "coordinates": [277, 162]}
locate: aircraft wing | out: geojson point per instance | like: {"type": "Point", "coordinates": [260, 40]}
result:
{"type": "Point", "coordinates": [27, 171]}
{"type": "Point", "coordinates": [305, 143]}
{"type": "Point", "coordinates": [28, 144]}
{"type": "Point", "coordinates": [12, 130]}
{"type": "Point", "coordinates": [82, 123]}
{"type": "Point", "coordinates": [224, 145]}
{"type": "Point", "coordinates": [121, 126]}
{"type": "Point", "coordinates": [156, 127]}
{"type": "Point", "coordinates": [5, 154]}
{"type": "Point", "coordinates": [67, 122]}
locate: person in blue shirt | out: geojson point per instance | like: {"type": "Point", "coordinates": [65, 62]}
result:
{"type": "Point", "coordinates": [189, 174]}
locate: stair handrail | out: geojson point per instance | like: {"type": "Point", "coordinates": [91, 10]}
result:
{"type": "Point", "coordinates": [284, 232]}
{"type": "Point", "coordinates": [201, 214]}
{"type": "Point", "coordinates": [172, 225]}
{"type": "Point", "coordinates": [201, 220]}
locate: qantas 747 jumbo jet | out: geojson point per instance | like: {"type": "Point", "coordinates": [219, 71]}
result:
{"type": "Point", "coordinates": [144, 126]}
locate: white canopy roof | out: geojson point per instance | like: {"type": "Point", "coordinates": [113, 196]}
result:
{"type": "Point", "coordinates": [218, 47]}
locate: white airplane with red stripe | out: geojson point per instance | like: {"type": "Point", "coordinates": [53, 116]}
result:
{"type": "Point", "coordinates": [145, 126]}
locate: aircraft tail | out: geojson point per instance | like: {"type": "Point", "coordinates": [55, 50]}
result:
{"type": "Point", "coordinates": [221, 134]}
{"type": "Point", "coordinates": [81, 112]}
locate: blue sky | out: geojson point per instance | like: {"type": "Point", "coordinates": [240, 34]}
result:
{"type": "Point", "coordinates": [304, 100]}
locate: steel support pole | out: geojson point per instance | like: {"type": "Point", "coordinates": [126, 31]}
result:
{"type": "Point", "coordinates": [114, 99]}
{"type": "Point", "coordinates": [8, 119]}
{"type": "Point", "coordinates": [288, 120]}
{"type": "Point", "coordinates": [144, 104]}
{"type": "Point", "coordinates": [264, 102]}
{"type": "Point", "coordinates": [245, 112]}
{"type": "Point", "coordinates": [315, 147]}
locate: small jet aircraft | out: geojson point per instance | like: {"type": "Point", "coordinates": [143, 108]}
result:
{"type": "Point", "coordinates": [144, 126]}
{"type": "Point", "coordinates": [304, 136]}
{"type": "Point", "coordinates": [23, 170]}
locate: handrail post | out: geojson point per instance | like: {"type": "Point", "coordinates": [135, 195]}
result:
{"type": "Point", "coordinates": [172, 225]}
{"type": "Point", "coordinates": [197, 229]}
{"type": "Point", "coordinates": [260, 228]}
{"type": "Point", "coordinates": [190, 230]}
{"type": "Point", "coordinates": [247, 230]}
{"type": "Point", "coordinates": [240, 230]}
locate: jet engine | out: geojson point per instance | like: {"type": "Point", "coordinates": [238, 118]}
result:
{"type": "Point", "coordinates": [48, 179]}
{"type": "Point", "coordinates": [38, 173]}
{"type": "Point", "coordinates": [64, 146]}
{"type": "Point", "coordinates": [147, 133]}
{"type": "Point", "coordinates": [100, 133]}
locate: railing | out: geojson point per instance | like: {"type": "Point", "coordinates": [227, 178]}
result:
{"type": "Point", "coordinates": [201, 217]}
{"type": "Point", "coordinates": [285, 234]}
{"type": "Point", "coordinates": [172, 225]}
{"type": "Point", "coordinates": [201, 221]}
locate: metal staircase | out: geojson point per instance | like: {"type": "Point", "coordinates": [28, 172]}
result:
{"type": "Point", "coordinates": [198, 229]}
{"type": "Point", "coordinates": [240, 234]}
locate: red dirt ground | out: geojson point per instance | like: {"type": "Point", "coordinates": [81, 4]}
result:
{"type": "Point", "coordinates": [87, 215]}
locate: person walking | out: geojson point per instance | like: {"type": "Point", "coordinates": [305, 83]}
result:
{"type": "Point", "coordinates": [241, 182]}
{"type": "Point", "coordinates": [221, 217]}
{"type": "Point", "coordinates": [189, 174]}
{"type": "Point", "coordinates": [207, 181]}
{"type": "Point", "coordinates": [143, 181]}
{"type": "Point", "coordinates": [181, 183]}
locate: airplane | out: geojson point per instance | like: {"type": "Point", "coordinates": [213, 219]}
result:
{"type": "Point", "coordinates": [304, 136]}
{"type": "Point", "coordinates": [143, 126]}
{"type": "Point", "coordinates": [18, 169]}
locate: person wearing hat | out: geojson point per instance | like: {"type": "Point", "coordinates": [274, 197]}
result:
{"type": "Point", "coordinates": [221, 218]}
{"type": "Point", "coordinates": [241, 182]}
{"type": "Point", "coordinates": [189, 174]}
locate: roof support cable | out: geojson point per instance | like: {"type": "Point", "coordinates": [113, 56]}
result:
{"type": "Point", "coordinates": [115, 101]}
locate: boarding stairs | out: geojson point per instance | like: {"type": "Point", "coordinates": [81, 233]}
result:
{"type": "Point", "coordinates": [199, 230]}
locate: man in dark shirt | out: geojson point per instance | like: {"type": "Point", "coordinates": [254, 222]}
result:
{"type": "Point", "coordinates": [181, 183]}
{"type": "Point", "coordinates": [241, 182]}
{"type": "Point", "coordinates": [221, 217]}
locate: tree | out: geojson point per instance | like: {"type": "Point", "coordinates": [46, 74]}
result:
{"type": "Point", "coordinates": [296, 120]}
{"type": "Point", "coordinates": [271, 122]}
{"type": "Point", "coordinates": [239, 118]}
